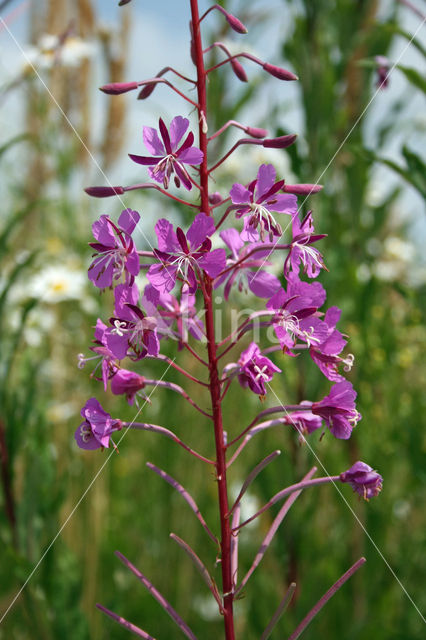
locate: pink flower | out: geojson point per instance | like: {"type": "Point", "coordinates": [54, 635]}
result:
{"type": "Point", "coordinates": [184, 254]}
{"type": "Point", "coordinates": [131, 328]}
{"type": "Point", "coordinates": [301, 251]}
{"type": "Point", "coordinates": [255, 369]}
{"type": "Point", "coordinates": [116, 253]}
{"type": "Point", "coordinates": [305, 422]}
{"type": "Point", "coordinates": [363, 479]}
{"type": "Point", "coordinates": [127, 383]}
{"type": "Point", "coordinates": [95, 431]}
{"type": "Point", "coordinates": [259, 199]}
{"type": "Point", "coordinates": [295, 317]}
{"type": "Point", "coordinates": [338, 410]}
{"type": "Point", "coordinates": [168, 158]}
{"type": "Point", "coordinates": [167, 310]}
{"type": "Point", "coordinates": [248, 273]}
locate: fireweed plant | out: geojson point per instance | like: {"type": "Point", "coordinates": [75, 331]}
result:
{"type": "Point", "coordinates": [184, 273]}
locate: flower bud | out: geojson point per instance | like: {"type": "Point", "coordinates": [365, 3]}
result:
{"type": "Point", "coordinates": [104, 192]}
{"type": "Point", "coordinates": [383, 70]}
{"type": "Point", "coordinates": [116, 88]}
{"type": "Point", "coordinates": [302, 189]}
{"type": "Point", "coordinates": [279, 72]}
{"type": "Point", "coordinates": [233, 22]}
{"type": "Point", "coordinates": [146, 91]}
{"type": "Point", "coordinates": [215, 198]}
{"type": "Point", "coordinates": [279, 143]}
{"type": "Point", "coordinates": [363, 479]}
{"type": "Point", "coordinates": [239, 71]}
{"type": "Point", "coordinates": [255, 132]}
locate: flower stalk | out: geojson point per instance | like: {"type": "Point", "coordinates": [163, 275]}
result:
{"type": "Point", "coordinates": [185, 264]}
{"type": "Point", "coordinates": [214, 379]}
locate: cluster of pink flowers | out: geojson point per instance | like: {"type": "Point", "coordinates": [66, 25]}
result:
{"type": "Point", "coordinates": [188, 268]}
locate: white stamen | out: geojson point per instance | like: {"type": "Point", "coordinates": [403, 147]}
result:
{"type": "Point", "coordinates": [85, 432]}
{"type": "Point", "coordinates": [309, 337]}
{"type": "Point", "coordinates": [118, 328]}
{"type": "Point", "coordinates": [261, 373]}
{"type": "Point", "coordinates": [348, 362]}
{"type": "Point", "coordinates": [314, 254]}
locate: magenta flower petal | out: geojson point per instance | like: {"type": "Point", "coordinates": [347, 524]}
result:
{"type": "Point", "coordinates": [239, 194]}
{"type": "Point", "coordinates": [103, 232]}
{"type": "Point", "coordinates": [100, 330]}
{"type": "Point", "coordinates": [167, 240]}
{"type": "Point", "coordinates": [304, 422]}
{"type": "Point", "coordinates": [213, 262]}
{"type": "Point", "coordinates": [123, 296]}
{"type": "Point", "coordinates": [249, 233]}
{"type": "Point", "coordinates": [95, 431]}
{"type": "Point", "coordinates": [201, 227]}
{"type": "Point", "coordinates": [333, 345]}
{"type": "Point", "coordinates": [144, 160]}
{"type": "Point", "coordinates": [182, 176]}
{"type": "Point", "coordinates": [128, 220]}
{"type": "Point", "coordinates": [285, 203]}
{"type": "Point", "coordinates": [332, 316]}
{"type": "Point", "coordinates": [263, 284]}
{"type": "Point", "coordinates": [84, 441]}
{"type": "Point", "coordinates": [118, 345]}
{"type": "Point", "coordinates": [152, 142]}
{"type": "Point", "coordinates": [116, 253]}
{"type": "Point", "coordinates": [327, 364]}
{"type": "Point", "coordinates": [152, 343]}
{"type": "Point", "coordinates": [133, 264]}
{"type": "Point", "coordinates": [162, 277]}
{"type": "Point", "coordinates": [191, 156]}
{"type": "Point", "coordinates": [233, 240]}
{"type": "Point", "coordinates": [265, 179]}
{"type": "Point", "coordinates": [101, 272]}
{"type": "Point", "coordinates": [312, 290]}
{"type": "Point", "coordinates": [178, 127]}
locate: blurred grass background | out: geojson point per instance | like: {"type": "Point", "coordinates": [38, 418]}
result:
{"type": "Point", "coordinates": [376, 275]}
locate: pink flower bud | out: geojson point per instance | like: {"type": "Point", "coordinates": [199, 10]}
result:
{"type": "Point", "coordinates": [279, 72]}
{"type": "Point", "coordinates": [254, 132]}
{"type": "Point", "coordinates": [279, 143]}
{"type": "Point", "coordinates": [238, 69]}
{"type": "Point", "coordinates": [302, 189]}
{"type": "Point", "coordinates": [104, 192]}
{"type": "Point", "coordinates": [146, 91]}
{"type": "Point", "coordinates": [215, 198]}
{"type": "Point", "coordinates": [116, 88]}
{"type": "Point", "coordinates": [233, 22]}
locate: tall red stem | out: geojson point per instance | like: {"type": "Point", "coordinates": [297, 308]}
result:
{"type": "Point", "coordinates": [214, 382]}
